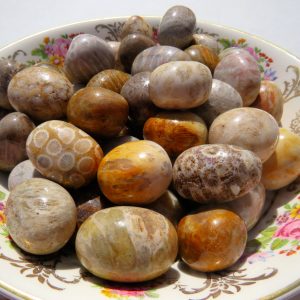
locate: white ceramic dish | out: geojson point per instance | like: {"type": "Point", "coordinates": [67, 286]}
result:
{"type": "Point", "coordinates": [268, 270]}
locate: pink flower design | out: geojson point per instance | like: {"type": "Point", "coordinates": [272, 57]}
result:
{"type": "Point", "coordinates": [253, 53]}
{"type": "Point", "coordinates": [282, 219]}
{"type": "Point", "coordinates": [60, 47]}
{"type": "Point", "coordinates": [289, 230]}
{"type": "Point", "coordinates": [259, 256]}
{"type": "Point", "coordinates": [118, 293]}
{"type": "Point", "coordinates": [1, 206]}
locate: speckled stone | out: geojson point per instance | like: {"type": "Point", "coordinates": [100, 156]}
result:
{"type": "Point", "coordinates": [223, 97]}
{"type": "Point", "coordinates": [136, 24]}
{"type": "Point", "coordinates": [249, 207]}
{"type": "Point", "coordinates": [87, 56]}
{"type": "Point", "coordinates": [153, 57]}
{"type": "Point", "coordinates": [41, 93]}
{"type": "Point", "coordinates": [135, 173]}
{"type": "Point", "coordinates": [206, 40]}
{"type": "Point", "coordinates": [88, 208]}
{"type": "Point", "coordinates": [8, 68]}
{"type": "Point", "coordinates": [216, 173]}
{"type": "Point", "coordinates": [175, 131]}
{"type": "Point", "coordinates": [131, 46]}
{"type": "Point", "coordinates": [109, 79]}
{"type": "Point", "coordinates": [64, 153]}
{"type": "Point", "coordinates": [136, 92]}
{"type": "Point", "coordinates": [127, 244]}
{"type": "Point", "coordinates": [232, 50]}
{"type": "Point", "coordinates": [282, 168]}
{"type": "Point", "coordinates": [176, 27]}
{"type": "Point", "coordinates": [41, 216]}
{"type": "Point", "coordinates": [242, 73]}
{"type": "Point", "coordinates": [246, 127]}
{"type": "Point", "coordinates": [14, 130]}
{"type": "Point", "coordinates": [204, 55]}
{"type": "Point", "coordinates": [108, 145]}
{"type": "Point", "coordinates": [270, 99]}
{"type": "Point", "coordinates": [21, 172]}
{"type": "Point", "coordinates": [180, 85]}
{"type": "Point", "coordinates": [211, 241]}
{"type": "Point", "coordinates": [99, 111]}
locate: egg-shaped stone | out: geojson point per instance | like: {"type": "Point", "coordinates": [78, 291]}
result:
{"type": "Point", "coordinates": [211, 241]}
{"type": "Point", "coordinates": [175, 131]}
{"type": "Point", "coordinates": [131, 46]}
{"type": "Point", "coordinates": [204, 55]}
{"type": "Point", "coordinates": [216, 173]}
{"type": "Point", "coordinates": [232, 50]}
{"type": "Point", "coordinates": [127, 244]}
{"type": "Point", "coordinates": [41, 93]}
{"type": "Point", "coordinates": [136, 92]}
{"type": "Point", "coordinates": [8, 68]}
{"type": "Point", "coordinates": [180, 85]}
{"type": "Point", "coordinates": [109, 79]}
{"type": "Point", "coordinates": [282, 168]}
{"type": "Point", "coordinates": [21, 172]}
{"type": "Point", "coordinates": [64, 153]}
{"type": "Point", "coordinates": [14, 130]}
{"type": "Point", "coordinates": [153, 57]}
{"type": "Point", "coordinates": [241, 72]}
{"type": "Point", "coordinates": [98, 111]}
{"type": "Point", "coordinates": [177, 27]}
{"type": "Point", "coordinates": [223, 97]}
{"type": "Point", "coordinates": [41, 216]}
{"type": "Point", "coordinates": [270, 99]}
{"type": "Point", "coordinates": [87, 55]}
{"type": "Point", "coordinates": [135, 173]}
{"type": "Point", "coordinates": [115, 45]}
{"type": "Point", "coordinates": [246, 127]}
{"type": "Point", "coordinates": [206, 40]}
{"type": "Point", "coordinates": [136, 24]}
{"type": "Point", "coordinates": [249, 207]}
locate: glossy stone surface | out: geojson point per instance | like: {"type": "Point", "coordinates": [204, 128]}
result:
{"type": "Point", "coordinates": [41, 216]}
{"type": "Point", "coordinates": [176, 27]}
{"type": "Point", "coordinates": [223, 97]}
{"type": "Point", "coordinates": [153, 57]}
{"type": "Point", "coordinates": [136, 24]}
{"type": "Point", "coordinates": [8, 68]}
{"type": "Point", "coordinates": [283, 166]}
{"type": "Point", "coordinates": [87, 56]}
{"type": "Point", "coordinates": [115, 45]}
{"type": "Point", "coordinates": [180, 85]}
{"type": "Point", "coordinates": [270, 99]}
{"type": "Point", "coordinates": [14, 130]}
{"type": "Point", "coordinates": [109, 79]}
{"type": "Point", "coordinates": [98, 111]}
{"type": "Point", "coordinates": [131, 46]}
{"type": "Point", "coordinates": [216, 173]}
{"type": "Point", "coordinates": [127, 244]}
{"type": "Point", "coordinates": [135, 173]}
{"type": "Point", "coordinates": [232, 50]}
{"type": "Point", "coordinates": [21, 172]}
{"type": "Point", "coordinates": [41, 93]}
{"type": "Point", "coordinates": [112, 143]}
{"type": "Point", "coordinates": [249, 207]}
{"type": "Point", "coordinates": [136, 92]}
{"type": "Point", "coordinates": [64, 153]}
{"type": "Point", "coordinates": [176, 131]}
{"type": "Point", "coordinates": [242, 73]}
{"type": "Point", "coordinates": [211, 241]}
{"type": "Point", "coordinates": [246, 127]}
{"type": "Point", "coordinates": [206, 40]}
{"type": "Point", "coordinates": [204, 55]}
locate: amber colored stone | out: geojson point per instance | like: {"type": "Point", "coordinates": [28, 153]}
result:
{"type": "Point", "coordinates": [212, 240]}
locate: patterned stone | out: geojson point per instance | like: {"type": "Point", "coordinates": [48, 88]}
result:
{"type": "Point", "coordinates": [211, 241]}
{"type": "Point", "coordinates": [136, 24]}
{"type": "Point", "coordinates": [41, 216]}
{"type": "Point", "coordinates": [153, 57]}
{"type": "Point", "coordinates": [14, 130]}
{"type": "Point", "coordinates": [135, 173]}
{"type": "Point", "coordinates": [63, 153]}
{"type": "Point", "coordinates": [180, 85]}
{"type": "Point", "coordinates": [206, 40]}
{"type": "Point", "coordinates": [41, 93]}
{"type": "Point", "coordinates": [216, 173]}
{"type": "Point", "coordinates": [127, 244]}
{"type": "Point", "coordinates": [246, 127]}
{"type": "Point", "coordinates": [176, 27]}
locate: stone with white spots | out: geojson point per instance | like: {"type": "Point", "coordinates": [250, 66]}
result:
{"type": "Point", "coordinates": [64, 153]}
